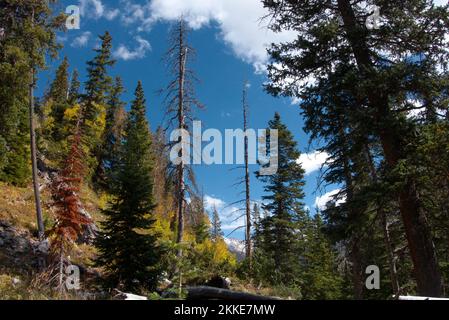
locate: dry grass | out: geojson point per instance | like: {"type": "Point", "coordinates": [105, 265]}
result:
{"type": "Point", "coordinates": [17, 207]}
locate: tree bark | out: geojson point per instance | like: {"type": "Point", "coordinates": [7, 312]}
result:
{"type": "Point", "coordinates": [427, 272]}
{"type": "Point", "coordinates": [354, 255]}
{"type": "Point", "coordinates": [384, 222]}
{"type": "Point", "coordinates": [37, 196]}
{"type": "Point", "coordinates": [247, 182]}
{"type": "Point", "coordinates": [181, 125]}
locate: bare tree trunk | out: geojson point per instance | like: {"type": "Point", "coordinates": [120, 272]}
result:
{"type": "Point", "coordinates": [247, 180]}
{"type": "Point", "coordinates": [355, 258]}
{"type": "Point", "coordinates": [419, 237]}
{"type": "Point", "coordinates": [390, 252]}
{"type": "Point", "coordinates": [61, 272]}
{"type": "Point", "coordinates": [181, 125]}
{"type": "Point", "coordinates": [37, 196]}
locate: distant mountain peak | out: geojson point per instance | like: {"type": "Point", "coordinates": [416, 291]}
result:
{"type": "Point", "coordinates": [236, 247]}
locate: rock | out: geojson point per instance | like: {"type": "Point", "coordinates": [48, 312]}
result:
{"type": "Point", "coordinates": [219, 282]}
{"type": "Point", "coordinates": [21, 245]}
{"type": "Point", "coordinates": [42, 247]}
{"type": "Point", "coordinates": [18, 249]}
{"type": "Point", "coordinates": [166, 283]}
{"type": "Point", "coordinates": [128, 296]}
{"type": "Point", "coordinates": [90, 231]}
{"type": "Point", "coordinates": [16, 282]}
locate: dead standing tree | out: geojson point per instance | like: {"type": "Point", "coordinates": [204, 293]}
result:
{"type": "Point", "coordinates": [247, 178]}
{"type": "Point", "coordinates": [70, 217]}
{"type": "Point", "coordinates": [246, 181]}
{"type": "Point", "coordinates": [180, 100]}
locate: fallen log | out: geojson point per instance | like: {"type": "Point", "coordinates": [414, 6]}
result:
{"type": "Point", "coordinates": [413, 298]}
{"type": "Point", "coordinates": [210, 293]}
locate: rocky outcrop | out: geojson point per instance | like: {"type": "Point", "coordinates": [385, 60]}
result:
{"type": "Point", "coordinates": [19, 250]}
{"type": "Point", "coordinates": [90, 231]}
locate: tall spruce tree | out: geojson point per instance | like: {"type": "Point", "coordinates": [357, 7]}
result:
{"type": "Point", "coordinates": [320, 278]}
{"type": "Point", "coordinates": [59, 88]}
{"type": "Point", "coordinates": [389, 64]}
{"type": "Point", "coordinates": [128, 248]}
{"type": "Point", "coordinates": [57, 96]}
{"type": "Point", "coordinates": [216, 232]}
{"type": "Point", "coordinates": [74, 90]}
{"type": "Point", "coordinates": [113, 133]}
{"type": "Point", "coordinates": [283, 200]}
{"type": "Point", "coordinates": [94, 101]}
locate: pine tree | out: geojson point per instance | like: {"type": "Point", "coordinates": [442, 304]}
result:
{"type": "Point", "coordinates": [216, 232]}
{"type": "Point", "coordinates": [74, 91]}
{"type": "Point", "coordinates": [113, 133]}
{"type": "Point", "coordinates": [99, 82]}
{"type": "Point", "coordinates": [57, 96]}
{"type": "Point", "coordinates": [320, 278]}
{"type": "Point", "coordinates": [59, 88]}
{"type": "Point", "coordinates": [336, 37]}
{"type": "Point", "coordinates": [128, 248]}
{"type": "Point", "coordinates": [28, 35]}
{"type": "Point", "coordinates": [283, 201]}
{"type": "Point", "coordinates": [94, 100]}
{"type": "Point", "coordinates": [255, 217]}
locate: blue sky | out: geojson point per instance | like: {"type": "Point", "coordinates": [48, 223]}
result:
{"type": "Point", "coordinates": [230, 43]}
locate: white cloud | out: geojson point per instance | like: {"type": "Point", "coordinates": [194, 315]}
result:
{"type": "Point", "coordinates": [82, 40]}
{"type": "Point", "coordinates": [211, 202]}
{"type": "Point", "coordinates": [231, 216]}
{"type": "Point", "coordinates": [239, 23]}
{"type": "Point", "coordinates": [91, 8]}
{"type": "Point", "coordinates": [112, 14]}
{"type": "Point", "coordinates": [321, 202]}
{"type": "Point", "coordinates": [312, 162]}
{"type": "Point", "coordinates": [96, 9]}
{"type": "Point", "coordinates": [139, 52]}
{"type": "Point", "coordinates": [440, 2]}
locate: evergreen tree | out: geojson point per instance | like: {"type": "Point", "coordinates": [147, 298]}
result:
{"type": "Point", "coordinates": [59, 88]}
{"type": "Point", "coordinates": [283, 201]}
{"type": "Point", "coordinates": [320, 278]}
{"type": "Point", "coordinates": [113, 133]}
{"type": "Point", "coordinates": [94, 101]}
{"type": "Point", "coordinates": [256, 217]}
{"type": "Point", "coordinates": [28, 34]}
{"type": "Point", "coordinates": [74, 91]}
{"type": "Point", "coordinates": [128, 248]}
{"type": "Point", "coordinates": [99, 82]}
{"type": "Point", "coordinates": [216, 232]}
{"type": "Point", "coordinates": [335, 38]}
{"type": "Point", "coordinates": [198, 220]}
{"type": "Point", "coordinates": [57, 97]}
